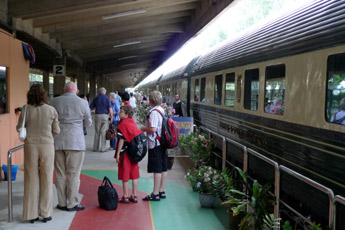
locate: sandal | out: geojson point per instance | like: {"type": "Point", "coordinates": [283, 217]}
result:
{"type": "Point", "coordinates": [124, 200]}
{"type": "Point", "coordinates": [133, 199]}
{"type": "Point", "coordinates": [162, 195]}
{"type": "Point", "coordinates": [152, 197]}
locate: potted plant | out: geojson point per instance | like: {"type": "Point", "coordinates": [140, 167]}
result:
{"type": "Point", "coordinates": [222, 187]}
{"type": "Point", "coordinates": [193, 177]}
{"type": "Point", "coordinates": [204, 177]}
{"type": "Point", "coordinates": [198, 147]}
{"type": "Point", "coordinates": [256, 197]}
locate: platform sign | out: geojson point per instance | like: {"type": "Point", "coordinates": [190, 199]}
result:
{"type": "Point", "coordinates": [59, 70]}
{"type": "Point", "coordinates": [185, 126]}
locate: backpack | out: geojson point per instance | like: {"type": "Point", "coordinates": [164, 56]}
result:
{"type": "Point", "coordinates": [137, 148]}
{"type": "Point", "coordinates": [339, 121]}
{"type": "Point", "coordinates": [170, 133]}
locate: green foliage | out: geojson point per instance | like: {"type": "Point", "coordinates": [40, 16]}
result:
{"type": "Point", "coordinates": [257, 198]}
{"type": "Point", "coordinates": [316, 226]}
{"type": "Point", "coordinates": [222, 185]}
{"type": "Point", "coordinates": [287, 225]}
{"type": "Point", "coordinates": [142, 111]}
{"type": "Point", "coordinates": [199, 146]}
{"type": "Point", "coordinates": [204, 176]}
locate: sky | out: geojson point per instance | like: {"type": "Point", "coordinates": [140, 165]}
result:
{"type": "Point", "coordinates": [228, 22]}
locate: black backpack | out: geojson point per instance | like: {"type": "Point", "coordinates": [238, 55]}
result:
{"type": "Point", "coordinates": [107, 195]}
{"type": "Point", "coordinates": [137, 148]}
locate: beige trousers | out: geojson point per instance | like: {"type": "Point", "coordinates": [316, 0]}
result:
{"type": "Point", "coordinates": [101, 127]}
{"type": "Point", "coordinates": [68, 163]}
{"type": "Point", "coordinates": [38, 180]}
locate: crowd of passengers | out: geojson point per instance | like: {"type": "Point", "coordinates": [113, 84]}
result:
{"type": "Point", "coordinates": [55, 142]}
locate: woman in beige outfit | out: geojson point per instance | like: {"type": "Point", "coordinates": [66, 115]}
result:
{"type": "Point", "coordinates": [41, 124]}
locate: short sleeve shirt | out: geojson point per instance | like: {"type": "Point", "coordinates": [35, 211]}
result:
{"type": "Point", "coordinates": [155, 120]}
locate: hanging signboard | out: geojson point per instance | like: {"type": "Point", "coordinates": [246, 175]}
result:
{"type": "Point", "coordinates": [59, 70]}
{"type": "Point", "coordinates": [185, 126]}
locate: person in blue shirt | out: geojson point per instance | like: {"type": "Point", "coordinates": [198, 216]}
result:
{"type": "Point", "coordinates": [116, 109]}
{"type": "Point", "coordinates": [118, 97]}
{"type": "Point", "coordinates": [103, 112]}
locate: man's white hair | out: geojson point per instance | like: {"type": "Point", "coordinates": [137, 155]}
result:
{"type": "Point", "coordinates": [102, 90]}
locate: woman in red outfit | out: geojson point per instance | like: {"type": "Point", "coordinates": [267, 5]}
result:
{"type": "Point", "coordinates": [128, 170]}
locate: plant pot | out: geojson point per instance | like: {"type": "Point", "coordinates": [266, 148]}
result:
{"type": "Point", "coordinates": [193, 184]}
{"type": "Point", "coordinates": [234, 221]}
{"type": "Point", "coordinates": [170, 162]}
{"type": "Point", "coordinates": [206, 200]}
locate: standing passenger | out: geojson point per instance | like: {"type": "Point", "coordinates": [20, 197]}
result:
{"type": "Point", "coordinates": [74, 113]}
{"type": "Point", "coordinates": [41, 123]}
{"type": "Point", "coordinates": [132, 101]}
{"type": "Point", "coordinates": [116, 110]}
{"type": "Point", "coordinates": [103, 112]}
{"type": "Point", "coordinates": [178, 106]}
{"type": "Point", "coordinates": [157, 162]}
{"type": "Point", "coordinates": [128, 170]}
{"type": "Point", "coordinates": [125, 99]}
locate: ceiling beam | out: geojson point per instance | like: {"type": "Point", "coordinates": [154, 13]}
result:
{"type": "Point", "coordinates": [127, 49]}
{"type": "Point", "coordinates": [129, 53]}
{"type": "Point", "coordinates": [101, 31]}
{"type": "Point", "coordinates": [128, 36]}
{"type": "Point", "coordinates": [109, 45]}
{"type": "Point", "coordinates": [91, 14]}
{"type": "Point", "coordinates": [85, 24]}
{"type": "Point", "coordinates": [38, 8]}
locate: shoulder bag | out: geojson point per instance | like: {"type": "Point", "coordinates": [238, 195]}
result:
{"type": "Point", "coordinates": [111, 133]}
{"type": "Point", "coordinates": [22, 130]}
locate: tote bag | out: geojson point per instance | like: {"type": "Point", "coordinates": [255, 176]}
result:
{"type": "Point", "coordinates": [22, 130]}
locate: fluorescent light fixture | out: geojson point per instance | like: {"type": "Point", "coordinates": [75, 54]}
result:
{"type": "Point", "coordinates": [128, 65]}
{"type": "Point", "coordinates": [129, 57]}
{"type": "Point", "coordinates": [127, 13]}
{"type": "Point", "coordinates": [127, 44]}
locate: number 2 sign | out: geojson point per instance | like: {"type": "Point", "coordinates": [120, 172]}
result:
{"type": "Point", "coordinates": [59, 70]}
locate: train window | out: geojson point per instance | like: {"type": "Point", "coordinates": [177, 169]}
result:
{"type": "Point", "coordinates": [203, 90]}
{"type": "Point", "coordinates": [275, 89]}
{"type": "Point", "coordinates": [3, 90]}
{"type": "Point", "coordinates": [251, 89]}
{"type": "Point", "coordinates": [218, 82]}
{"type": "Point", "coordinates": [335, 110]}
{"type": "Point", "coordinates": [196, 90]}
{"type": "Point", "coordinates": [230, 89]}
{"type": "Point", "coordinates": [174, 89]}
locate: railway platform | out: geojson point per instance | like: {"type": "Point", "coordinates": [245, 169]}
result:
{"type": "Point", "coordinates": [181, 210]}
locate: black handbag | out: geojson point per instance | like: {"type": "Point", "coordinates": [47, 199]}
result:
{"type": "Point", "coordinates": [107, 195]}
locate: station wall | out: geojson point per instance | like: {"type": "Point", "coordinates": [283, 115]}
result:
{"type": "Point", "coordinates": [17, 85]}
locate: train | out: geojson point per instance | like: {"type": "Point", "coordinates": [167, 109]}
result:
{"type": "Point", "coordinates": [275, 90]}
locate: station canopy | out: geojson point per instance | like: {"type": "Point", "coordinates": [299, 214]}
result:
{"type": "Point", "coordinates": [120, 39]}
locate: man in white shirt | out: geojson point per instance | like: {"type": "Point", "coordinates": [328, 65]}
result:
{"type": "Point", "coordinates": [157, 162]}
{"type": "Point", "coordinates": [132, 101]}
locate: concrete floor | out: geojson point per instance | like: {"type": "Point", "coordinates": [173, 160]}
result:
{"type": "Point", "coordinates": [63, 219]}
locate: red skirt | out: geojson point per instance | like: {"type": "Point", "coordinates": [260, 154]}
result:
{"type": "Point", "coordinates": [129, 169]}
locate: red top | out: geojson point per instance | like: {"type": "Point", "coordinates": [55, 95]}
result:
{"type": "Point", "coordinates": [129, 129]}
